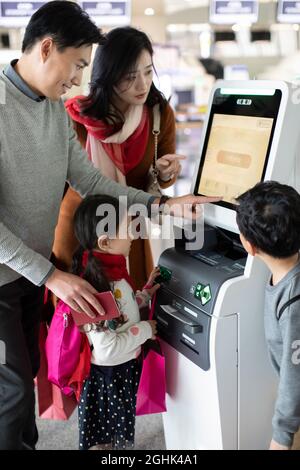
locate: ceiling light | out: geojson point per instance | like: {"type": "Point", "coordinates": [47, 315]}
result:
{"type": "Point", "coordinates": [236, 27]}
{"type": "Point", "coordinates": [149, 12]}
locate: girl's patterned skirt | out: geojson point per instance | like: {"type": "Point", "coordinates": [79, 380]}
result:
{"type": "Point", "coordinates": [107, 406]}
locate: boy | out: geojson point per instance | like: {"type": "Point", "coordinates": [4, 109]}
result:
{"type": "Point", "coordinates": [268, 217]}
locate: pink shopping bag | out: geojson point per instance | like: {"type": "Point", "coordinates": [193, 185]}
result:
{"type": "Point", "coordinates": [151, 395]}
{"type": "Point", "coordinates": [52, 403]}
{"type": "Point", "coordinates": [62, 348]}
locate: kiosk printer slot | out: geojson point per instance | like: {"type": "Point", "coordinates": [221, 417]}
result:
{"type": "Point", "coordinates": [220, 384]}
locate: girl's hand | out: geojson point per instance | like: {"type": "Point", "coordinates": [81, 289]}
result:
{"type": "Point", "coordinates": [169, 166]}
{"type": "Point", "coordinates": [153, 327]}
{"type": "Point", "coordinates": [153, 275]}
{"type": "Point", "coordinates": [152, 290]}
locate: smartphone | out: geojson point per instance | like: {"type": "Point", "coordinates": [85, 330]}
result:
{"type": "Point", "coordinates": [109, 305]}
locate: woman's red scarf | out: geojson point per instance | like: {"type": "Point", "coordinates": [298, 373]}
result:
{"type": "Point", "coordinates": [126, 155]}
{"type": "Point", "coordinates": [114, 266]}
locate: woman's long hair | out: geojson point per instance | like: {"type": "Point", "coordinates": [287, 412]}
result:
{"type": "Point", "coordinates": [113, 60]}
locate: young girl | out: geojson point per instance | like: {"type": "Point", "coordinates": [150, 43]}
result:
{"type": "Point", "coordinates": [108, 398]}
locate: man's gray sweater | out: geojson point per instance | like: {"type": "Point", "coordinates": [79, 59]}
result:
{"type": "Point", "coordinates": [283, 338]}
{"type": "Point", "coordinates": [39, 152]}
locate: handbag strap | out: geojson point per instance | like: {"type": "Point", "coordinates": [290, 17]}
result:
{"type": "Point", "coordinates": [150, 343]}
{"type": "Point", "coordinates": [156, 132]}
{"type": "Point", "coordinates": [286, 305]}
{"type": "Point", "coordinates": [153, 300]}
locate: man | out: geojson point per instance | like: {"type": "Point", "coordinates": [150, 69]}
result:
{"type": "Point", "coordinates": [39, 153]}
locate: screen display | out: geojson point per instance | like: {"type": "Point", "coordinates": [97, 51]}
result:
{"type": "Point", "coordinates": [237, 142]}
{"type": "Point", "coordinates": [288, 11]}
{"type": "Point", "coordinates": [113, 12]}
{"type": "Point", "coordinates": [231, 11]}
{"type": "Point", "coordinates": [235, 155]}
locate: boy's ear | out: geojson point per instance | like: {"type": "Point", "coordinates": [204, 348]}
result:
{"type": "Point", "coordinates": [251, 249]}
{"type": "Point", "coordinates": [103, 243]}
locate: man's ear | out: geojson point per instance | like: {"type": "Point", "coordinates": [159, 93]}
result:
{"type": "Point", "coordinates": [103, 243]}
{"type": "Point", "coordinates": [46, 47]}
{"type": "Point", "coordinates": [249, 247]}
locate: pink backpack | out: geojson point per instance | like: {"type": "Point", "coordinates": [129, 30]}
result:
{"type": "Point", "coordinates": [62, 348]}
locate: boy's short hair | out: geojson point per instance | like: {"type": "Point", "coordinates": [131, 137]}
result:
{"type": "Point", "coordinates": [268, 216]}
{"type": "Point", "coordinates": [65, 22]}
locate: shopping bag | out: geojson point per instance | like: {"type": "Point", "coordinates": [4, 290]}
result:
{"type": "Point", "coordinates": [82, 371]}
{"type": "Point", "coordinates": [62, 348]}
{"type": "Point", "coordinates": [151, 394]}
{"type": "Point", "coordinates": [52, 403]}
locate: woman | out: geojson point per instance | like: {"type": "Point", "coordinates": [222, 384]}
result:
{"type": "Point", "coordinates": [115, 123]}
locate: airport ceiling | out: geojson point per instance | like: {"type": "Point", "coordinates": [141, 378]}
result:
{"type": "Point", "coordinates": [172, 6]}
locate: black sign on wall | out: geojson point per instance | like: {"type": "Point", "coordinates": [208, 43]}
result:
{"type": "Point", "coordinates": [114, 12]}
{"type": "Point", "coordinates": [14, 14]}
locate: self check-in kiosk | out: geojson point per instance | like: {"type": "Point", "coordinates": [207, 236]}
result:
{"type": "Point", "coordinates": [209, 310]}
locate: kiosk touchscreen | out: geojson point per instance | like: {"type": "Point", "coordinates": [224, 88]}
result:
{"type": "Point", "coordinates": [238, 147]}
{"type": "Point", "coordinates": [209, 310]}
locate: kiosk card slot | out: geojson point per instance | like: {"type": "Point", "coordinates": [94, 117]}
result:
{"type": "Point", "coordinates": [188, 324]}
{"type": "Point", "coordinates": [186, 343]}
{"type": "Point", "coordinates": [184, 327]}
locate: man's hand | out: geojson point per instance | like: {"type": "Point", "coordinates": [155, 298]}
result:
{"type": "Point", "coordinates": [187, 207]}
{"type": "Point", "coordinates": [75, 292]}
{"type": "Point", "coordinates": [275, 446]}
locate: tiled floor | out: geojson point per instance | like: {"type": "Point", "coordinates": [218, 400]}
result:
{"type": "Point", "coordinates": [63, 435]}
